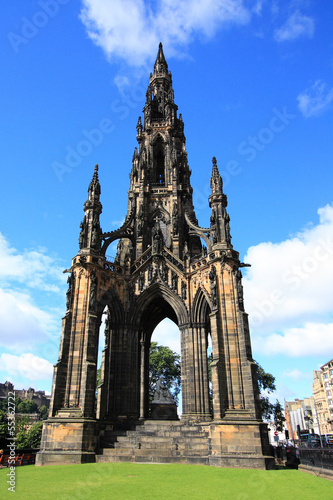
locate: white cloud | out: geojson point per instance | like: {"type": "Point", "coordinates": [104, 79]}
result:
{"type": "Point", "coordinates": [296, 375]}
{"type": "Point", "coordinates": [297, 25]}
{"type": "Point", "coordinates": [316, 99]}
{"type": "Point", "coordinates": [28, 277]}
{"type": "Point", "coordinates": [288, 291]}
{"type": "Point", "coordinates": [21, 323]}
{"type": "Point", "coordinates": [130, 30]}
{"type": "Point", "coordinates": [314, 339]}
{"type": "Point", "coordinates": [27, 365]}
{"type": "Point", "coordinates": [32, 267]}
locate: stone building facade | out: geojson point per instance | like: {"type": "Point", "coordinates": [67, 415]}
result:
{"type": "Point", "coordinates": [322, 389]}
{"type": "Point", "coordinates": [38, 397]}
{"type": "Point", "coordinates": [167, 266]}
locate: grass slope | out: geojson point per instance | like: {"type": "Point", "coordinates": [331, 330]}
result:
{"type": "Point", "coordinates": [162, 482]}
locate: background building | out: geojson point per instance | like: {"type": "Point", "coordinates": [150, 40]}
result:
{"type": "Point", "coordinates": [322, 388]}
{"type": "Point", "coordinates": [38, 397]}
{"type": "Point", "coordinates": [300, 413]}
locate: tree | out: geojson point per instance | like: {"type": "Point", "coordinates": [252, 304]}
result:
{"type": "Point", "coordinates": [43, 412]}
{"type": "Point", "coordinates": [3, 429]}
{"type": "Point", "coordinates": [266, 382]}
{"type": "Point", "coordinates": [164, 364]}
{"type": "Point", "coordinates": [27, 406]}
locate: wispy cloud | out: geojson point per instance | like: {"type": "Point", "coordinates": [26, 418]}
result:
{"type": "Point", "coordinates": [314, 100]}
{"type": "Point", "coordinates": [28, 278]}
{"type": "Point", "coordinates": [33, 267]}
{"type": "Point", "coordinates": [297, 25]}
{"type": "Point", "coordinates": [130, 30]}
{"type": "Point", "coordinates": [288, 289]}
{"type": "Point", "coordinates": [27, 365]}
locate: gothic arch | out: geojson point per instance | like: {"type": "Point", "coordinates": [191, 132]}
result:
{"type": "Point", "coordinates": [201, 306]}
{"type": "Point", "coordinates": [156, 303]}
{"type": "Point", "coordinates": [112, 300]}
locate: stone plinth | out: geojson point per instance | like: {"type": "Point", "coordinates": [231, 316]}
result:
{"type": "Point", "coordinates": [164, 411]}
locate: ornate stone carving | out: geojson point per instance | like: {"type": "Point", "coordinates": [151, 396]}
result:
{"type": "Point", "coordinates": [162, 394]}
{"type": "Point", "coordinates": [83, 234]}
{"type": "Point", "coordinates": [213, 290]}
{"type": "Point", "coordinates": [239, 288]}
{"type": "Point", "coordinates": [70, 290]}
{"type": "Point", "coordinates": [93, 290]}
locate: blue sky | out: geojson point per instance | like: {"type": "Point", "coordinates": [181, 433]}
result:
{"type": "Point", "coordinates": [254, 83]}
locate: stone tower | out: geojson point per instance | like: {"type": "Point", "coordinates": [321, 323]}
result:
{"type": "Point", "coordinates": [166, 266]}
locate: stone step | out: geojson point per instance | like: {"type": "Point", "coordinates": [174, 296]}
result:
{"type": "Point", "coordinates": [160, 446]}
{"type": "Point", "coordinates": [168, 433]}
{"type": "Point", "coordinates": [158, 459]}
{"type": "Point", "coordinates": [152, 452]}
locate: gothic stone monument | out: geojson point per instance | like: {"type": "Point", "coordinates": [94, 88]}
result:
{"type": "Point", "coordinates": [161, 270]}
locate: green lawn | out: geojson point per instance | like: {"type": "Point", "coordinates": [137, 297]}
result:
{"type": "Point", "coordinates": [162, 482]}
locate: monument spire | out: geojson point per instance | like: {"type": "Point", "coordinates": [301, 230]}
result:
{"type": "Point", "coordinates": [90, 230]}
{"type": "Point", "coordinates": [161, 65]}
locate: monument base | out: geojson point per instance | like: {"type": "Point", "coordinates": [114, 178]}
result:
{"type": "Point", "coordinates": [164, 411]}
{"type": "Point", "coordinates": [67, 441]}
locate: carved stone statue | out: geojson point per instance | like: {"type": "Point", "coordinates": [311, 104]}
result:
{"type": "Point", "coordinates": [69, 293]}
{"type": "Point", "coordinates": [141, 282]}
{"type": "Point", "coordinates": [184, 290]}
{"type": "Point", "coordinates": [93, 290]}
{"type": "Point", "coordinates": [162, 394]}
{"type": "Point", "coordinates": [227, 229]}
{"type": "Point", "coordinates": [213, 291]}
{"type": "Point", "coordinates": [175, 219]}
{"type": "Point", "coordinates": [96, 234]}
{"type": "Point", "coordinates": [239, 290]}
{"type": "Point", "coordinates": [174, 282]}
{"type": "Point", "coordinates": [83, 234]}
{"type": "Point", "coordinates": [157, 242]}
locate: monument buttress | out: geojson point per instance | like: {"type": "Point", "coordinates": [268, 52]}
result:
{"type": "Point", "coordinates": [166, 266]}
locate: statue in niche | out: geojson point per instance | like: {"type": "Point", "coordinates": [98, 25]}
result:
{"type": "Point", "coordinates": [162, 394]}
{"type": "Point", "coordinates": [93, 290]}
{"type": "Point", "coordinates": [184, 291]}
{"type": "Point", "coordinates": [96, 234]}
{"type": "Point", "coordinates": [213, 236]}
{"type": "Point", "coordinates": [164, 271]}
{"type": "Point", "coordinates": [227, 229]}
{"type": "Point", "coordinates": [69, 293]}
{"type": "Point", "coordinates": [175, 219]}
{"type": "Point", "coordinates": [185, 251]}
{"type": "Point", "coordinates": [158, 242]}
{"type": "Point", "coordinates": [140, 228]}
{"type": "Point", "coordinates": [83, 234]}
{"type": "Point", "coordinates": [213, 291]}
{"type": "Point", "coordinates": [150, 274]}
{"type": "Point", "coordinates": [141, 282]}
{"type": "Point", "coordinates": [174, 282]}
{"type": "Point", "coordinates": [239, 287]}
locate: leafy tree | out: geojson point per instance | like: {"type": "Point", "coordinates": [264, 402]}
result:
{"type": "Point", "coordinates": [4, 404]}
{"type": "Point", "coordinates": [269, 410]}
{"type": "Point", "coordinates": [35, 435]}
{"type": "Point", "coordinates": [164, 364]}
{"type": "Point", "coordinates": [43, 412]}
{"type": "Point", "coordinates": [21, 440]}
{"type": "Point", "coordinates": [3, 429]}
{"type": "Point", "coordinates": [27, 406]}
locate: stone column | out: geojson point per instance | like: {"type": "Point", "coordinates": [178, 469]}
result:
{"type": "Point", "coordinates": [142, 375]}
